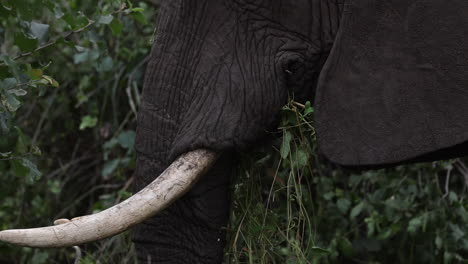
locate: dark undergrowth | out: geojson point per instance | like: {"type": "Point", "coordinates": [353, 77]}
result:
{"type": "Point", "coordinates": [290, 206]}
{"type": "Point", "coordinates": [70, 83]}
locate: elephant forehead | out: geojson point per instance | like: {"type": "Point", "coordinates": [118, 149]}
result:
{"type": "Point", "coordinates": [311, 19]}
{"type": "Point", "coordinates": [217, 75]}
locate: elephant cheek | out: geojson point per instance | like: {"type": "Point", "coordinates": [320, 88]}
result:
{"type": "Point", "coordinates": [233, 110]}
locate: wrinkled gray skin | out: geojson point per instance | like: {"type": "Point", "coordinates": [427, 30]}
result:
{"type": "Point", "coordinates": [220, 71]}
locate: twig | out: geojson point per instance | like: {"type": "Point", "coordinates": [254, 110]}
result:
{"type": "Point", "coordinates": [18, 157]}
{"type": "Point", "coordinates": [77, 255]}
{"type": "Point", "coordinates": [299, 104]}
{"type": "Point", "coordinates": [24, 84]}
{"type": "Point", "coordinates": [83, 196]}
{"type": "Point", "coordinates": [51, 43]}
{"type": "Point", "coordinates": [124, 188]}
{"type": "Point", "coordinates": [69, 34]}
{"type": "Point", "coordinates": [463, 169]}
{"type": "Point", "coordinates": [44, 115]}
{"type": "Point", "coordinates": [447, 183]}
{"type": "Point", "coordinates": [66, 166]}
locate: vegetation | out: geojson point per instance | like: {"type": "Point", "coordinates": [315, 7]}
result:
{"type": "Point", "coordinates": [291, 207]}
{"type": "Point", "coordinates": [70, 83]}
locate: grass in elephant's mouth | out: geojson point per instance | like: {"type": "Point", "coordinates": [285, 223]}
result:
{"type": "Point", "coordinates": [291, 207]}
{"type": "Point", "coordinates": [271, 220]}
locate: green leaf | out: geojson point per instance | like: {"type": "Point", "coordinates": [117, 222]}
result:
{"type": "Point", "coordinates": [88, 122]}
{"type": "Point", "coordinates": [346, 247]}
{"type": "Point", "coordinates": [33, 173]}
{"type": "Point", "coordinates": [124, 194]}
{"type": "Point", "coordinates": [328, 196]}
{"type": "Point", "coordinates": [109, 167]}
{"type": "Point", "coordinates": [371, 225]}
{"type": "Point", "coordinates": [18, 169]}
{"type": "Point", "coordinates": [110, 143]}
{"type": "Point", "coordinates": [54, 187]}
{"type": "Point", "coordinates": [116, 26]}
{"type": "Point", "coordinates": [18, 91]}
{"type": "Point", "coordinates": [5, 122]}
{"type": "Point", "coordinates": [343, 205]}
{"type": "Point", "coordinates": [137, 9]}
{"type": "Point", "coordinates": [76, 21]}
{"type": "Point", "coordinates": [82, 21]}
{"type": "Point", "coordinates": [386, 234]}
{"type": "Point", "coordinates": [448, 257]}
{"type": "Point", "coordinates": [25, 43]}
{"type": "Point", "coordinates": [357, 210]}
{"type": "Point", "coordinates": [317, 251]}
{"type": "Point", "coordinates": [105, 65]}
{"type": "Point", "coordinates": [453, 197]}
{"type": "Point", "coordinates": [87, 55]}
{"type": "Point", "coordinates": [50, 4]}
{"type": "Point", "coordinates": [58, 13]}
{"type": "Point", "coordinates": [126, 139]}
{"type": "Point", "coordinates": [106, 20]}
{"type": "Point", "coordinates": [22, 142]}
{"type": "Point", "coordinates": [308, 108]}
{"type": "Point", "coordinates": [11, 102]}
{"type": "Point", "coordinates": [50, 81]}
{"type": "Point", "coordinates": [35, 150]}
{"type": "Point", "coordinates": [457, 232]}
{"type": "Point", "coordinates": [39, 31]}
{"type": "Point", "coordinates": [24, 9]}
{"type": "Point", "coordinates": [414, 224]}
{"type": "Point", "coordinates": [302, 158]}
{"type": "Point", "coordinates": [14, 68]}
{"type": "Point", "coordinates": [35, 74]}
{"type": "Point", "coordinates": [139, 17]}
{"type": "Point", "coordinates": [465, 244]}
{"type": "Point", "coordinates": [5, 154]}
{"type": "Point", "coordinates": [463, 213]}
{"type": "Point", "coordinates": [8, 83]}
{"type": "Point", "coordinates": [439, 242]}
{"type": "Point", "coordinates": [285, 146]}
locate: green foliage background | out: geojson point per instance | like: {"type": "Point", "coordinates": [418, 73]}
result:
{"type": "Point", "coordinates": [70, 82]}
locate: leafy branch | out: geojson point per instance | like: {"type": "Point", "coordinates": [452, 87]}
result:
{"type": "Point", "coordinates": [123, 9]}
{"type": "Point", "coordinates": [51, 43]}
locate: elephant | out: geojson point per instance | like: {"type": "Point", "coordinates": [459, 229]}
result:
{"type": "Point", "coordinates": [389, 82]}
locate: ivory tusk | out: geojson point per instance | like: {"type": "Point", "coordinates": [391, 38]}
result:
{"type": "Point", "coordinates": [176, 180]}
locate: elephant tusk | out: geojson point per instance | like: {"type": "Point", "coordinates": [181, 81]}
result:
{"type": "Point", "coordinates": [176, 180]}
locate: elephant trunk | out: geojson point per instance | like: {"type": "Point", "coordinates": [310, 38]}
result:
{"type": "Point", "coordinates": [176, 180]}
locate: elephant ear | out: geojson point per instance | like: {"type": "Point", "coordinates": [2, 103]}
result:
{"type": "Point", "coordinates": [395, 87]}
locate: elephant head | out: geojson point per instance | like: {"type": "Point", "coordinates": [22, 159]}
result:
{"type": "Point", "coordinates": [220, 71]}
{"type": "Point", "coordinates": [218, 74]}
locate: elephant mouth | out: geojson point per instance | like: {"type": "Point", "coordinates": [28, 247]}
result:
{"type": "Point", "coordinates": [176, 180]}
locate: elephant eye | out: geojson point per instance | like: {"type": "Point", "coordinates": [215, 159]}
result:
{"type": "Point", "coordinates": [295, 72]}
{"type": "Point", "coordinates": [299, 70]}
